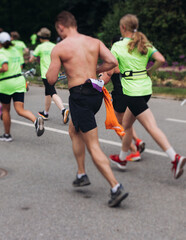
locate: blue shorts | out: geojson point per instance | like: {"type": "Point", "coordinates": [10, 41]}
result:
{"type": "Point", "coordinates": [84, 103]}
{"type": "Point", "coordinates": [17, 97]}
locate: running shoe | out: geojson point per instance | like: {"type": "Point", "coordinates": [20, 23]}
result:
{"type": "Point", "coordinates": [178, 165]}
{"type": "Point", "coordinates": [134, 157]}
{"type": "Point", "coordinates": [115, 159]}
{"type": "Point", "coordinates": [43, 115]}
{"type": "Point", "coordinates": [65, 113]}
{"type": "Point", "coordinates": [140, 145]}
{"type": "Point", "coordinates": [6, 138]}
{"type": "Point", "coordinates": [81, 182]}
{"type": "Point", "coordinates": [39, 125]}
{"type": "Point", "coordinates": [117, 197]}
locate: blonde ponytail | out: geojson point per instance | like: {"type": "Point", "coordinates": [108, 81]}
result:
{"type": "Point", "coordinates": [139, 40]}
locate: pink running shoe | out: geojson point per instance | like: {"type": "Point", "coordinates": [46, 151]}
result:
{"type": "Point", "coordinates": [115, 159]}
{"type": "Point", "coordinates": [134, 157]}
{"type": "Point", "coordinates": [140, 145]}
{"type": "Point", "coordinates": [178, 165]}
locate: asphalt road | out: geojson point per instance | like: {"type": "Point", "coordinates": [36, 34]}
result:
{"type": "Point", "coordinates": [38, 202]}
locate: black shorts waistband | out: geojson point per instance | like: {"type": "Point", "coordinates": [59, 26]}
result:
{"type": "Point", "coordinates": [84, 89]}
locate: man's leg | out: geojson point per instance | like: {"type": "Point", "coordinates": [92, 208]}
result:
{"type": "Point", "coordinates": [99, 158]}
{"type": "Point", "coordinates": [78, 147]}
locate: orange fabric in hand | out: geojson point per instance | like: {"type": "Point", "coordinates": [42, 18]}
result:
{"type": "Point", "coordinates": [111, 121]}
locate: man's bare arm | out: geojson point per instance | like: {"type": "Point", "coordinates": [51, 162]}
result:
{"type": "Point", "coordinates": [54, 68]}
{"type": "Point", "coordinates": [109, 61]}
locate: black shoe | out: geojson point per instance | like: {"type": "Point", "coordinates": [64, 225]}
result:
{"type": "Point", "coordinates": [117, 197]}
{"type": "Point", "coordinates": [6, 138]}
{"type": "Point", "coordinates": [80, 182]}
{"type": "Point", "coordinates": [65, 113]}
{"type": "Point", "coordinates": [39, 125]}
{"type": "Point", "coordinates": [43, 115]}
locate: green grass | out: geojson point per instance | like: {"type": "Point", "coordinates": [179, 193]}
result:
{"type": "Point", "coordinates": [170, 91]}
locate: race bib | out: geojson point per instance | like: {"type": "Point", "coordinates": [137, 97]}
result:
{"type": "Point", "coordinates": [96, 83]}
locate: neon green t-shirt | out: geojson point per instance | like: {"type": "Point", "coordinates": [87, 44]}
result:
{"type": "Point", "coordinates": [33, 39]}
{"type": "Point", "coordinates": [12, 85]}
{"type": "Point", "coordinates": [43, 51]}
{"type": "Point", "coordinates": [20, 45]}
{"type": "Point", "coordinates": [140, 85]}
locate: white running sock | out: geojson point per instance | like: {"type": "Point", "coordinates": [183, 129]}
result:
{"type": "Point", "coordinates": [115, 188]}
{"type": "Point", "coordinates": [122, 155]}
{"type": "Point", "coordinates": [45, 112]}
{"type": "Point", "coordinates": [171, 153]}
{"type": "Point", "coordinates": [80, 175]}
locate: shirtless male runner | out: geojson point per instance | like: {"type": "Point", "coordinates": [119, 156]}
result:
{"type": "Point", "coordinates": [79, 55]}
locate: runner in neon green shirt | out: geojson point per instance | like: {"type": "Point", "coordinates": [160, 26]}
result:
{"type": "Point", "coordinates": [43, 51]}
{"type": "Point", "coordinates": [20, 45]}
{"type": "Point", "coordinates": [141, 84]}
{"type": "Point", "coordinates": [133, 54]}
{"type": "Point", "coordinates": [12, 86]}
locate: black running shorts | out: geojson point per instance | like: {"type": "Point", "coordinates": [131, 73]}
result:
{"type": "Point", "coordinates": [84, 103]}
{"type": "Point", "coordinates": [137, 104]}
{"type": "Point", "coordinates": [49, 89]}
{"type": "Point", "coordinates": [17, 97]}
{"type": "Point", "coordinates": [119, 103]}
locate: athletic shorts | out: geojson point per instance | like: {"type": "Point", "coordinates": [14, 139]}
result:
{"type": "Point", "coordinates": [137, 104]}
{"type": "Point", "coordinates": [17, 97]}
{"type": "Point", "coordinates": [119, 103]}
{"type": "Point", "coordinates": [84, 103]}
{"type": "Point", "coordinates": [49, 89]}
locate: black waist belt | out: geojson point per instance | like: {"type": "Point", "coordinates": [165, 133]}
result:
{"type": "Point", "coordinates": [131, 73]}
{"type": "Point", "coordinates": [13, 76]}
{"type": "Point", "coordinates": [84, 89]}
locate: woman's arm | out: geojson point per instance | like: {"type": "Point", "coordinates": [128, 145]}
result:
{"type": "Point", "coordinates": [159, 60]}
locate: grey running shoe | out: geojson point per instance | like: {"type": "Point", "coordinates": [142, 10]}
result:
{"type": "Point", "coordinates": [65, 113]}
{"type": "Point", "coordinates": [80, 182]}
{"type": "Point", "coordinates": [39, 125]}
{"type": "Point", "coordinates": [117, 197]}
{"type": "Point", "coordinates": [6, 138]}
{"type": "Point", "coordinates": [43, 115]}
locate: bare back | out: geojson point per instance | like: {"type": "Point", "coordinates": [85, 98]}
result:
{"type": "Point", "coordinates": [79, 56]}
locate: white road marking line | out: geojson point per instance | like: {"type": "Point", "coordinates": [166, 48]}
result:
{"type": "Point", "coordinates": [176, 120]}
{"type": "Point", "coordinates": [100, 139]}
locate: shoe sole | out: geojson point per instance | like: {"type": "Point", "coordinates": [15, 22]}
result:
{"type": "Point", "coordinates": [41, 129]}
{"type": "Point", "coordinates": [135, 159]}
{"type": "Point", "coordinates": [81, 185]}
{"type": "Point", "coordinates": [66, 116]}
{"type": "Point", "coordinates": [119, 166]}
{"type": "Point", "coordinates": [6, 140]}
{"type": "Point", "coordinates": [44, 118]}
{"type": "Point", "coordinates": [180, 171]}
{"type": "Point", "coordinates": [119, 200]}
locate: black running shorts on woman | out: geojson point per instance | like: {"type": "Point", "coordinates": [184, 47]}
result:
{"type": "Point", "coordinates": [84, 103]}
{"type": "Point", "coordinates": [137, 104]}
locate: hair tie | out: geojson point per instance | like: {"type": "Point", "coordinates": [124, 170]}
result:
{"type": "Point", "coordinates": [135, 30]}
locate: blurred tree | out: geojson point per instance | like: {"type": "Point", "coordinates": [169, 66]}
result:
{"type": "Point", "coordinates": [163, 22]}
